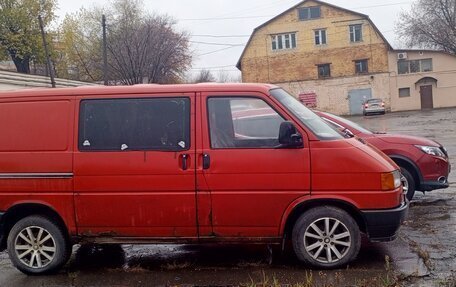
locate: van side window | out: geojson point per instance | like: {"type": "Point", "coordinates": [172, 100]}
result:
{"type": "Point", "coordinates": [161, 124]}
{"type": "Point", "coordinates": [242, 122]}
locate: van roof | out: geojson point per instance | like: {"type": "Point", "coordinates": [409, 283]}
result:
{"type": "Point", "coordinates": [137, 89]}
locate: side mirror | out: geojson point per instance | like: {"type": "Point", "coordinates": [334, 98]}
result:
{"type": "Point", "coordinates": [289, 136]}
{"type": "Point", "coordinates": [346, 132]}
{"type": "Point", "coordinates": [349, 133]}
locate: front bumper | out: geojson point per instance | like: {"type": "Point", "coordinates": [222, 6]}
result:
{"type": "Point", "coordinates": [435, 171]}
{"type": "Point", "coordinates": [431, 185]}
{"type": "Point", "coordinates": [382, 225]}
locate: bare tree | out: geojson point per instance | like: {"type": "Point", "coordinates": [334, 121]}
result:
{"type": "Point", "coordinates": [204, 76]}
{"type": "Point", "coordinates": [429, 24]}
{"type": "Point", "coordinates": [225, 77]}
{"type": "Point", "coordinates": [142, 48]}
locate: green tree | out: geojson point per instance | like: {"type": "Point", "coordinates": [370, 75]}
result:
{"type": "Point", "coordinates": [19, 30]}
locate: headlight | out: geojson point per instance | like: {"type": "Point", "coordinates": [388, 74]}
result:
{"type": "Point", "coordinates": [391, 180]}
{"type": "Point", "coordinates": [431, 150]}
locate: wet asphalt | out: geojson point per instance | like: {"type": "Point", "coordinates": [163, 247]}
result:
{"type": "Point", "coordinates": [423, 255]}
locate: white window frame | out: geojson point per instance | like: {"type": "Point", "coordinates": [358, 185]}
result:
{"type": "Point", "coordinates": [283, 41]}
{"type": "Point", "coordinates": [352, 34]}
{"type": "Point", "coordinates": [319, 33]}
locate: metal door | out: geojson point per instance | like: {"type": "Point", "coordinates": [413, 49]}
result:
{"type": "Point", "coordinates": [426, 97]}
{"type": "Point", "coordinates": [357, 98]}
{"type": "Point", "coordinates": [250, 186]}
{"type": "Point", "coordinates": [146, 186]}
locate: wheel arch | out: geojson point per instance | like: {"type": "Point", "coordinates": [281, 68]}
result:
{"type": "Point", "coordinates": [409, 165]}
{"type": "Point", "coordinates": [303, 206]}
{"type": "Point", "coordinates": [22, 210]}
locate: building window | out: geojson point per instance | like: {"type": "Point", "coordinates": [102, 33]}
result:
{"type": "Point", "coordinates": [160, 124]}
{"type": "Point", "coordinates": [361, 67]}
{"type": "Point", "coordinates": [414, 66]}
{"type": "Point", "coordinates": [309, 13]}
{"type": "Point", "coordinates": [404, 92]}
{"type": "Point", "coordinates": [320, 37]}
{"type": "Point", "coordinates": [356, 33]}
{"type": "Point", "coordinates": [324, 71]}
{"type": "Point", "coordinates": [283, 41]}
{"type": "Point", "coordinates": [426, 65]}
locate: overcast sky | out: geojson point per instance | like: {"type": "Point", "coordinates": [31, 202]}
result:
{"type": "Point", "coordinates": [197, 17]}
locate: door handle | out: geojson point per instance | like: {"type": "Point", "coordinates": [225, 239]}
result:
{"type": "Point", "coordinates": [206, 161]}
{"type": "Point", "coordinates": [184, 161]}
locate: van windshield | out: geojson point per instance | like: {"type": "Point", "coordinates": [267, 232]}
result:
{"type": "Point", "coordinates": [316, 124]}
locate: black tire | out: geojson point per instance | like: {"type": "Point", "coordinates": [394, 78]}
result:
{"type": "Point", "coordinates": [411, 183]}
{"type": "Point", "coordinates": [316, 217]}
{"type": "Point", "coordinates": [57, 242]}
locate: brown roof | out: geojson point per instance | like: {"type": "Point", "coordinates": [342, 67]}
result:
{"type": "Point", "coordinates": [238, 65]}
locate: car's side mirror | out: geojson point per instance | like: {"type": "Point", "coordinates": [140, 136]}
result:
{"type": "Point", "coordinates": [289, 137]}
{"type": "Point", "coordinates": [346, 132]}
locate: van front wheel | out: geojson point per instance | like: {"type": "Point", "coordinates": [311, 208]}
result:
{"type": "Point", "coordinates": [326, 237]}
{"type": "Point", "coordinates": [37, 246]}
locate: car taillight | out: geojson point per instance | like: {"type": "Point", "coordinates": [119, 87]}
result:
{"type": "Point", "coordinates": [383, 104]}
{"type": "Point", "coordinates": [366, 106]}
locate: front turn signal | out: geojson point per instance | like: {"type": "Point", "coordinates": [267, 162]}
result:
{"type": "Point", "coordinates": [391, 180]}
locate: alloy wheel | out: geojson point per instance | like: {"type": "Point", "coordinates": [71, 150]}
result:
{"type": "Point", "coordinates": [405, 184]}
{"type": "Point", "coordinates": [327, 240]}
{"type": "Point", "coordinates": [35, 247]}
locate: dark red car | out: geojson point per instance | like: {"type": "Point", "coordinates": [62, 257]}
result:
{"type": "Point", "coordinates": [424, 163]}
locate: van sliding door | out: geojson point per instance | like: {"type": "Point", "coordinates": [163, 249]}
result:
{"type": "Point", "coordinates": [134, 166]}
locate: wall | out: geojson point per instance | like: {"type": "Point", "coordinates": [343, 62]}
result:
{"type": "Point", "coordinates": [16, 81]}
{"type": "Point", "coordinates": [444, 90]}
{"type": "Point", "coordinates": [332, 94]}
{"type": "Point", "coordinates": [261, 64]}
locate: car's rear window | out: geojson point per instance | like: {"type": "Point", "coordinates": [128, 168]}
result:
{"type": "Point", "coordinates": [374, 101]}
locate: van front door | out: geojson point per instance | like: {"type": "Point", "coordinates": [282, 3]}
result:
{"type": "Point", "coordinates": [134, 169]}
{"type": "Point", "coordinates": [251, 181]}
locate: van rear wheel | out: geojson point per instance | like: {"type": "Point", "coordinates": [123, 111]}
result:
{"type": "Point", "coordinates": [37, 246]}
{"type": "Point", "coordinates": [326, 237]}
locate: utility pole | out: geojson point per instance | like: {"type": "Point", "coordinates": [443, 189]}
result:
{"type": "Point", "coordinates": [46, 50]}
{"type": "Point", "coordinates": [105, 55]}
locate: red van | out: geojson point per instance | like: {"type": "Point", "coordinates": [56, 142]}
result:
{"type": "Point", "coordinates": [180, 163]}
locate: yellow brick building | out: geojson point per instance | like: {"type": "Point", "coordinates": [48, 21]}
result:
{"type": "Point", "coordinates": [315, 47]}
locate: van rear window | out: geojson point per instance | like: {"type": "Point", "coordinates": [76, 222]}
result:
{"type": "Point", "coordinates": [134, 124]}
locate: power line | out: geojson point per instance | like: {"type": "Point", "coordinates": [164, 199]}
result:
{"type": "Point", "coordinates": [215, 51]}
{"type": "Point", "coordinates": [383, 5]}
{"type": "Point", "coordinates": [224, 18]}
{"type": "Point", "coordinates": [217, 44]}
{"type": "Point", "coordinates": [215, 67]}
{"type": "Point", "coordinates": [268, 16]}
{"type": "Point", "coordinates": [221, 36]}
